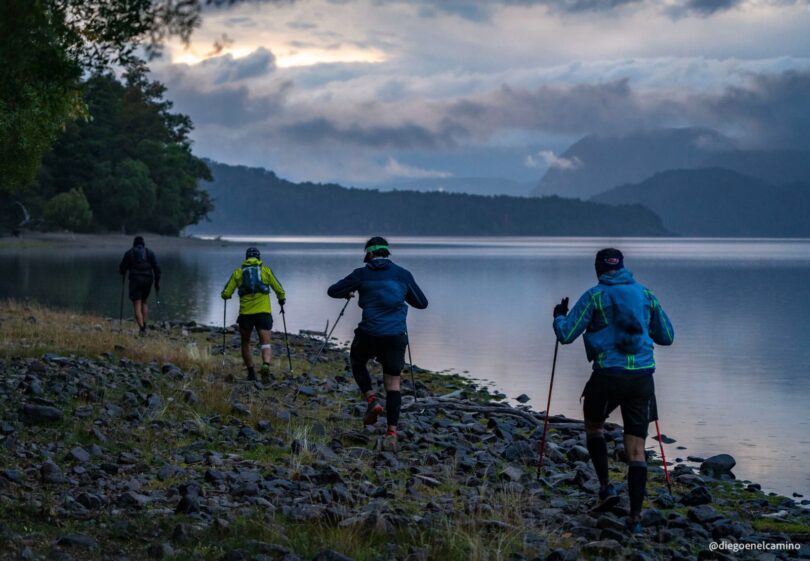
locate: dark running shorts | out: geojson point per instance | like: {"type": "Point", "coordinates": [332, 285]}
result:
{"type": "Point", "coordinates": [262, 322]}
{"type": "Point", "coordinates": [634, 392]}
{"type": "Point", "coordinates": [139, 287]}
{"type": "Point", "coordinates": [389, 350]}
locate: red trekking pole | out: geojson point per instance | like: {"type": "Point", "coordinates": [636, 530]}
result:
{"type": "Point", "coordinates": [663, 457]}
{"type": "Point", "coordinates": [548, 407]}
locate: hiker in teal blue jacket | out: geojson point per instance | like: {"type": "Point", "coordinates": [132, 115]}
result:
{"type": "Point", "coordinates": [621, 321]}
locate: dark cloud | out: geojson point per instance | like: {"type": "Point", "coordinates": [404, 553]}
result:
{"type": "Point", "coordinates": [772, 111]}
{"type": "Point", "coordinates": [225, 69]}
{"type": "Point", "coordinates": [708, 7]}
{"type": "Point", "coordinates": [404, 136]}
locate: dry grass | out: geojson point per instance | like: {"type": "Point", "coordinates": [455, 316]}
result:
{"type": "Point", "coordinates": [32, 330]}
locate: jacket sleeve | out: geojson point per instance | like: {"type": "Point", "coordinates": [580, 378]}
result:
{"type": "Point", "coordinates": [153, 262]}
{"type": "Point", "coordinates": [124, 266]}
{"type": "Point", "coordinates": [232, 284]}
{"type": "Point", "coordinates": [661, 330]}
{"type": "Point", "coordinates": [270, 278]}
{"type": "Point", "coordinates": [342, 288]}
{"type": "Point", "coordinates": [568, 328]}
{"type": "Point", "coordinates": [415, 297]}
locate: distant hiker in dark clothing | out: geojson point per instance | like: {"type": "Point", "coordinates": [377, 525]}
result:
{"type": "Point", "coordinates": [621, 320]}
{"type": "Point", "coordinates": [143, 269]}
{"type": "Point", "coordinates": [385, 291]}
{"type": "Point", "coordinates": [254, 280]}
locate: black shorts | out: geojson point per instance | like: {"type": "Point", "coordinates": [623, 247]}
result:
{"type": "Point", "coordinates": [634, 392]}
{"type": "Point", "coordinates": [389, 350]}
{"type": "Point", "coordinates": [139, 287]}
{"type": "Point", "coordinates": [262, 322]}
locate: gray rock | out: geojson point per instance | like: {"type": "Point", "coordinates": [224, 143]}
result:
{"type": "Point", "coordinates": [523, 398]}
{"type": "Point", "coordinates": [89, 501]}
{"type": "Point", "coordinates": [719, 465]}
{"type": "Point", "coordinates": [520, 451]}
{"type": "Point", "coordinates": [160, 550]}
{"type": "Point", "coordinates": [77, 540]}
{"type": "Point", "coordinates": [78, 454]}
{"type": "Point", "coordinates": [188, 505]}
{"type": "Point", "coordinates": [241, 409]}
{"type": "Point", "coordinates": [579, 454]}
{"type": "Point", "coordinates": [703, 514]}
{"type": "Point", "coordinates": [51, 473]}
{"type": "Point", "coordinates": [512, 473]}
{"type": "Point", "coordinates": [40, 414]}
{"type": "Point", "coordinates": [697, 496]}
{"type": "Point", "coordinates": [133, 499]}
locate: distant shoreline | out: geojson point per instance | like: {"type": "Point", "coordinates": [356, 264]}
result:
{"type": "Point", "coordinates": [32, 240]}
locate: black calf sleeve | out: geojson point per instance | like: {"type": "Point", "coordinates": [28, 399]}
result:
{"type": "Point", "coordinates": [393, 403]}
{"type": "Point", "coordinates": [636, 486]}
{"type": "Point", "coordinates": [360, 373]}
{"type": "Point", "coordinates": [597, 448]}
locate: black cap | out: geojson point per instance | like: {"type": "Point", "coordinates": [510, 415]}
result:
{"type": "Point", "coordinates": [608, 259]}
{"type": "Point", "coordinates": [252, 252]}
{"type": "Point", "coordinates": [138, 241]}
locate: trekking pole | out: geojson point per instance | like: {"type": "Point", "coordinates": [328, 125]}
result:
{"type": "Point", "coordinates": [548, 407]}
{"type": "Point", "coordinates": [663, 458]}
{"type": "Point", "coordinates": [121, 307]}
{"type": "Point", "coordinates": [224, 316]}
{"type": "Point", "coordinates": [329, 336]}
{"type": "Point", "coordinates": [286, 342]}
{"type": "Point", "coordinates": [325, 341]}
{"type": "Point", "coordinates": [410, 361]}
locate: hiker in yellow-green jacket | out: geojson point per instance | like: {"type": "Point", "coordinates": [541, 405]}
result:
{"type": "Point", "coordinates": [254, 281]}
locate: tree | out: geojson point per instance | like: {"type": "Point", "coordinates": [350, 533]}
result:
{"type": "Point", "coordinates": [46, 45]}
{"type": "Point", "coordinates": [132, 158]}
{"type": "Point", "coordinates": [69, 211]}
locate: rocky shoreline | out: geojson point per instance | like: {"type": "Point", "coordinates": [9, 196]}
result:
{"type": "Point", "coordinates": [109, 454]}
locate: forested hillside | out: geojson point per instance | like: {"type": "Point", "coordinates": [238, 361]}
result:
{"type": "Point", "coordinates": [255, 201]}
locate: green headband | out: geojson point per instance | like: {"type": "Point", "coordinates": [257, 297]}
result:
{"type": "Point", "coordinates": [373, 248]}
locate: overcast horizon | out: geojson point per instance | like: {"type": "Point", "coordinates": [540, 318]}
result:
{"type": "Point", "coordinates": [363, 92]}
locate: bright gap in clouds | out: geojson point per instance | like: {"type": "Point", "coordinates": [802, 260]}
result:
{"type": "Point", "coordinates": [285, 58]}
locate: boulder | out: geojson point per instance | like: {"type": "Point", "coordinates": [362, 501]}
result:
{"type": "Point", "coordinates": [718, 466]}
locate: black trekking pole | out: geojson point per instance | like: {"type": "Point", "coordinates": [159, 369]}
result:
{"type": "Point", "coordinates": [548, 407]}
{"type": "Point", "coordinates": [410, 362]}
{"type": "Point", "coordinates": [329, 336]}
{"type": "Point", "coordinates": [121, 307]}
{"type": "Point", "coordinates": [286, 342]}
{"type": "Point", "coordinates": [325, 341]}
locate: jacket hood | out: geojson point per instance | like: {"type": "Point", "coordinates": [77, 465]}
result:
{"type": "Point", "coordinates": [622, 276]}
{"type": "Point", "coordinates": [250, 262]}
{"type": "Point", "coordinates": [379, 264]}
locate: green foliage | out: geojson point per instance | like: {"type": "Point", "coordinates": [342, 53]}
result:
{"type": "Point", "coordinates": [46, 45]}
{"type": "Point", "coordinates": [69, 211]}
{"type": "Point", "coordinates": [132, 158]}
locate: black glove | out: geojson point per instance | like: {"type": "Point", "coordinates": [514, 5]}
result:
{"type": "Point", "coordinates": [561, 309]}
{"type": "Point", "coordinates": [350, 295]}
{"type": "Point", "coordinates": [282, 301]}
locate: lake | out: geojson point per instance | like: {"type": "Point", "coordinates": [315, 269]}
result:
{"type": "Point", "coordinates": [735, 381]}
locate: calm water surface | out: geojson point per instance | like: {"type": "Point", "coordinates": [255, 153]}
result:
{"type": "Point", "coordinates": [736, 380]}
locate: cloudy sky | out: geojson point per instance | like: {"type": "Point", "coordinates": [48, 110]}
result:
{"type": "Point", "coordinates": [364, 92]}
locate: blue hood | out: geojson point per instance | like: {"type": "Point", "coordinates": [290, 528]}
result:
{"type": "Point", "coordinates": [622, 276]}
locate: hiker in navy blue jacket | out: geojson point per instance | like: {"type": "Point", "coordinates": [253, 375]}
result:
{"type": "Point", "coordinates": [621, 321]}
{"type": "Point", "coordinates": [385, 290]}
